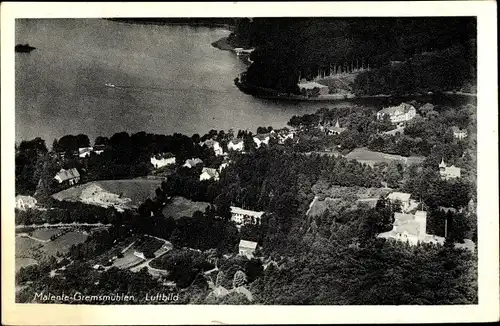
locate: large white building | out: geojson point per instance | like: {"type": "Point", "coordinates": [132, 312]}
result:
{"type": "Point", "coordinates": [243, 216]}
{"type": "Point", "coordinates": [162, 160]}
{"type": "Point", "coordinates": [236, 144]}
{"type": "Point", "coordinates": [448, 172]}
{"type": "Point", "coordinates": [398, 114]}
{"type": "Point", "coordinates": [411, 228]}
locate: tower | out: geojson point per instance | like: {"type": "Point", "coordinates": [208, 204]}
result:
{"type": "Point", "coordinates": [337, 125]}
{"type": "Point", "coordinates": [442, 165]}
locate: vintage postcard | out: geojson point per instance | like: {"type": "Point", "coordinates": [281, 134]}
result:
{"type": "Point", "coordinates": [249, 163]}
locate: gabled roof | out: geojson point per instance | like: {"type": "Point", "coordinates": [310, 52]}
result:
{"type": "Point", "coordinates": [236, 141]}
{"type": "Point", "coordinates": [68, 174]}
{"type": "Point", "coordinates": [248, 244]}
{"type": "Point", "coordinates": [237, 210]}
{"type": "Point", "coordinates": [402, 196]}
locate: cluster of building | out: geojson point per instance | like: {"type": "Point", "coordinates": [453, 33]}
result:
{"type": "Point", "coordinates": [163, 159]}
{"type": "Point", "coordinates": [25, 202]}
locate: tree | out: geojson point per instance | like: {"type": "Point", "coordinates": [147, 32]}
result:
{"type": "Point", "coordinates": [239, 279]}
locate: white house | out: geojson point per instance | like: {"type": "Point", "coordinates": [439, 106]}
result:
{"type": "Point", "coordinates": [398, 114]}
{"type": "Point", "coordinates": [243, 216]}
{"type": "Point", "coordinates": [213, 144]}
{"type": "Point", "coordinates": [403, 197]}
{"type": "Point", "coordinates": [283, 136]}
{"type": "Point", "coordinates": [247, 248]}
{"type": "Point", "coordinates": [71, 175]}
{"type": "Point", "coordinates": [236, 144]}
{"type": "Point", "coordinates": [412, 229]}
{"type": "Point", "coordinates": [139, 254]}
{"type": "Point", "coordinates": [192, 162]}
{"type": "Point", "coordinates": [448, 172]}
{"type": "Point", "coordinates": [25, 202]}
{"type": "Point", "coordinates": [209, 173]}
{"type": "Point", "coordinates": [459, 133]}
{"type": "Point", "coordinates": [261, 139]}
{"type": "Point", "coordinates": [85, 151]}
{"type": "Point", "coordinates": [163, 159]}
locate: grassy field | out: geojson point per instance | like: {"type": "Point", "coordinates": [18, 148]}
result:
{"type": "Point", "coordinates": [25, 247]}
{"type": "Point", "coordinates": [44, 234]}
{"type": "Point", "coordinates": [137, 190]}
{"type": "Point", "coordinates": [180, 206]}
{"type": "Point", "coordinates": [366, 156]}
{"type": "Point", "coordinates": [63, 243]}
{"type": "Point", "coordinates": [128, 260]}
{"type": "Point", "coordinates": [23, 262]}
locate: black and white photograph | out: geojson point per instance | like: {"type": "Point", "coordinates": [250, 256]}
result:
{"type": "Point", "coordinates": [248, 160]}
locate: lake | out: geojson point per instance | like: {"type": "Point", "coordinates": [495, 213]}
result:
{"type": "Point", "coordinates": [169, 79]}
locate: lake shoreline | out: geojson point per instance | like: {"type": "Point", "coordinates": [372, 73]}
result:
{"type": "Point", "coordinates": [271, 94]}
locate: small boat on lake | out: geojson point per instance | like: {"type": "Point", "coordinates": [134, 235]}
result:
{"type": "Point", "coordinates": [24, 48]}
{"type": "Point", "coordinates": [109, 85]}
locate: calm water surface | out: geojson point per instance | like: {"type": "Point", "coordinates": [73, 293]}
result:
{"type": "Point", "coordinates": [170, 79]}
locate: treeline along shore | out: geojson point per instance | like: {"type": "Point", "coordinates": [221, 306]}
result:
{"type": "Point", "coordinates": [227, 23]}
{"type": "Point", "coordinates": [358, 57]}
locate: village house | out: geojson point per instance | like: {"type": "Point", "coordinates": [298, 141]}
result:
{"type": "Point", "coordinates": [398, 114]}
{"type": "Point", "coordinates": [311, 88]}
{"type": "Point", "coordinates": [99, 149]}
{"type": "Point", "coordinates": [261, 139]}
{"type": "Point", "coordinates": [459, 133]}
{"type": "Point", "coordinates": [25, 202]}
{"type": "Point", "coordinates": [403, 197]}
{"type": "Point", "coordinates": [236, 144]}
{"type": "Point", "coordinates": [243, 216]}
{"type": "Point", "coordinates": [85, 151]}
{"type": "Point", "coordinates": [213, 144]}
{"type": "Point", "coordinates": [247, 248]}
{"type": "Point", "coordinates": [411, 228]}
{"type": "Point", "coordinates": [335, 130]}
{"type": "Point", "coordinates": [448, 172]}
{"type": "Point", "coordinates": [208, 174]}
{"type": "Point", "coordinates": [284, 135]}
{"type": "Point", "coordinates": [163, 159]}
{"type": "Point", "coordinates": [192, 162]}
{"type": "Point", "coordinates": [71, 176]}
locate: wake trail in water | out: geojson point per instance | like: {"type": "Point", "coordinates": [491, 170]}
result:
{"type": "Point", "coordinates": [164, 89]}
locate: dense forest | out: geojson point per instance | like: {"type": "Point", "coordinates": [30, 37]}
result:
{"type": "Point", "coordinates": [432, 53]}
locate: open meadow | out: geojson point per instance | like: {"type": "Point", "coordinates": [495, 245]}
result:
{"type": "Point", "coordinates": [180, 206]}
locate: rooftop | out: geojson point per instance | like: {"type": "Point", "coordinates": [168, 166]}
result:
{"type": "Point", "coordinates": [402, 196]}
{"type": "Point", "coordinates": [403, 107]}
{"type": "Point", "coordinates": [68, 174]}
{"type": "Point", "coordinates": [237, 210]}
{"type": "Point", "coordinates": [248, 244]}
